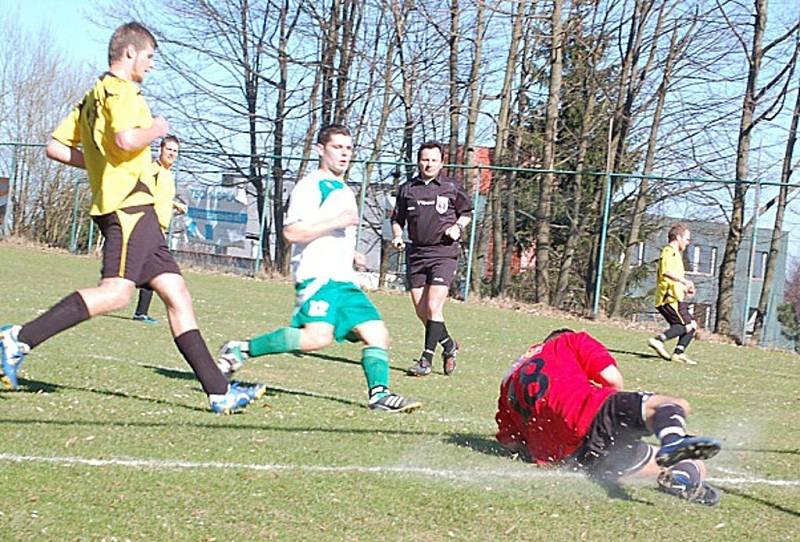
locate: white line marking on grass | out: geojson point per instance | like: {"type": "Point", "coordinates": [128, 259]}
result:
{"type": "Point", "coordinates": [464, 474]}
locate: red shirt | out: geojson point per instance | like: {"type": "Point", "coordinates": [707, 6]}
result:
{"type": "Point", "coordinates": [548, 400]}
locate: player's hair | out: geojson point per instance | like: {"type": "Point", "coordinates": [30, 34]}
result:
{"type": "Point", "coordinates": [556, 333]}
{"type": "Point", "coordinates": [675, 231]}
{"type": "Point", "coordinates": [326, 133]}
{"type": "Point", "coordinates": [170, 139]}
{"type": "Point", "coordinates": [430, 145]}
{"type": "Point", "coordinates": [131, 33]}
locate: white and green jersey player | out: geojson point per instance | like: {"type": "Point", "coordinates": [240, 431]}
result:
{"type": "Point", "coordinates": [321, 223]}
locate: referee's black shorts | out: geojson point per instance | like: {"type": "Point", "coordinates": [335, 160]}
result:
{"type": "Point", "coordinates": [680, 316]}
{"type": "Point", "coordinates": [613, 447]}
{"type": "Point", "coordinates": [135, 248]}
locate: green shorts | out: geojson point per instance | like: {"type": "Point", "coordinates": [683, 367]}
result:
{"type": "Point", "coordinates": [340, 304]}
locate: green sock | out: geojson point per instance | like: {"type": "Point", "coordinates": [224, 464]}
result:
{"type": "Point", "coordinates": [284, 339]}
{"type": "Point", "coordinates": [375, 361]}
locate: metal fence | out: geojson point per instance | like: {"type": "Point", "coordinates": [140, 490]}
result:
{"type": "Point", "coordinates": [591, 215]}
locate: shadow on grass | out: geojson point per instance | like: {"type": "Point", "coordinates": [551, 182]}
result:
{"type": "Point", "coordinates": [490, 446]}
{"type": "Point", "coordinates": [340, 359]}
{"type": "Point", "coordinates": [641, 355]}
{"type": "Point", "coordinates": [759, 500]}
{"type": "Point", "coordinates": [182, 424]}
{"type": "Point", "coordinates": [273, 390]}
{"type": "Point", "coordinates": [36, 386]}
{"type": "Point", "coordinates": [795, 451]}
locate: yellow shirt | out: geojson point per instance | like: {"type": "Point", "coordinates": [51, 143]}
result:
{"type": "Point", "coordinates": [164, 193]}
{"type": "Point", "coordinates": [669, 291]}
{"type": "Point", "coordinates": [111, 106]}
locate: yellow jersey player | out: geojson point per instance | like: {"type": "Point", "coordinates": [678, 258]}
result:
{"type": "Point", "coordinates": [672, 287]}
{"type": "Point", "coordinates": [109, 134]}
{"type": "Point", "coordinates": [165, 203]}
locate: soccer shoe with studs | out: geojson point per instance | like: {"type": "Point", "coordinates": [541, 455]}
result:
{"type": "Point", "coordinates": [682, 358]}
{"type": "Point", "coordinates": [12, 354]}
{"type": "Point", "coordinates": [658, 346]}
{"type": "Point", "coordinates": [687, 447]}
{"type": "Point", "coordinates": [237, 398]}
{"type": "Point", "coordinates": [232, 356]}
{"type": "Point", "coordinates": [393, 402]}
{"type": "Point", "coordinates": [253, 391]}
{"type": "Point", "coordinates": [421, 368]}
{"type": "Point", "coordinates": [449, 359]}
{"type": "Point", "coordinates": [679, 485]}
{"type": "Point", "coordinates": [144, 318]}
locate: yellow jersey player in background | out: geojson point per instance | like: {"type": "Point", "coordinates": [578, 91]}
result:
{"type": "Point", "coordinates": [109, 135]}
{"type": "Point", "coordinates": [672, 287]}
{"type": "Point", "coordinates": [165, 203]}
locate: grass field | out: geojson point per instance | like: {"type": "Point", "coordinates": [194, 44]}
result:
{"type": "Point", "coordinates": [109, 436]}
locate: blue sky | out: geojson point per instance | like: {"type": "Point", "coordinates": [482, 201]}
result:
{"type": "Point", "coordinates": [69, 24]}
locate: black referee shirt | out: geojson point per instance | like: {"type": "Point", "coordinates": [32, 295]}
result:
{"type": "Point", "coordinates": [429, 209]}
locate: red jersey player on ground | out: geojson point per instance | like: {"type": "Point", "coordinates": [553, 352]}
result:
{"type": "Point", "coordinates": [562, 403]}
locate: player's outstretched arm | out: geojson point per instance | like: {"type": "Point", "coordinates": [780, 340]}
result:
{"type": "Point", "coordinates": [66, 155]}
{"type": "Point", "coordinates": [134, 139]}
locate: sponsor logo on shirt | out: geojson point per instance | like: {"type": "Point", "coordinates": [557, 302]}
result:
{"type": "Point", "coordinates": [442, 203]}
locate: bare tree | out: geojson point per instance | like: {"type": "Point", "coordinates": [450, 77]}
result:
{"type": "Point", "coordinates": [753, 95]}
{"type": "Point", "coordinates": [780, 211]}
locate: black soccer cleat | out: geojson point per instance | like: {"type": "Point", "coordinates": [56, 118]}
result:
{"type": "Point", "coordinates": [687, 447]}
{"type": "Point", "coordinates": [421, 368]}
{"type": "Point", "coordinates": [393, 402]}
{"type": "Point", "coordinates": [449, 359]}
{"type": "Point", "coordinates": [679, 485]}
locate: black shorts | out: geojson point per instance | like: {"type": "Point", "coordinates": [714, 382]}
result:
{"type": "Point", "coordinates": [613, 445]}
{"type": "Point", "coordinates": [135, 248]}
{"type": "Point", "coordinates": [681, 317]}
{"type": "Point", "coordinates": [422, 270]}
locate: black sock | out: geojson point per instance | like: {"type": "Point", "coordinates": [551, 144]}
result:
{"type": "Point", "coordinates": [675, 330]}
{"type": "Point", "coordinates": [688, 469]}
{"type": "Point", "coordinates": [194, 350]}
{"type": "Point", "coordinates": [447, 342]}
{"type": "Point", "coordinates": [684, 341]}
{"type": "Point", "coordinates": [143, 306]}
{"type": "Point", "coordinates": [433, 330]}
{"type": "Point", "coordinates": [669, 423]}
{"type": "Point", "coordinates": [68, 312]}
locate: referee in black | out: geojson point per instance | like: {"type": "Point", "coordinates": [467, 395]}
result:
{"type": "Point", "coordinates": [437, 211]}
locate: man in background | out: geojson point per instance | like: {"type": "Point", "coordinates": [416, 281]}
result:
{"type": "Point", "coordinates": [672, 287]}
{"type": "Point", "coordinates": [165, 203]}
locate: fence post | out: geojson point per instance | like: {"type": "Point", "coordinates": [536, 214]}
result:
{"type": "Point", "coordinates": [751, 264]}
{"type": "Point", "coordinates": [361, 203]}
{"type": "Point", "coordinates": [73, 235]}
{"type": "Point", "coordinates": [472, 232]}
{"type": "Point", "coordinates": [601, 253]}
{"type": "Point", "coordinates": [90, 243]}
{"type": "Point", "coordinates": [261, 226]}
{"type": "Point", "coordinates": [8, 220]}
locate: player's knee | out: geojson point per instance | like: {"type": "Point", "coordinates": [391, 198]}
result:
{"type": "Point", "coordinates": [684, 404]}
{"type": "Point", "coordinates": [316, 338]}
{"type": "Point", "coordinates": [117, 294]}
{"type": "Point", "coordinates": [375, 335]}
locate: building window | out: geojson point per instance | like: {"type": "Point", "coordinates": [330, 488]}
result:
{"type": "Point", "coordinates": [701, 259]}
{"type": "Point", "coordinates": [638, 255]}
{"type": "Point", "coordinates": [701, 313]}
{"type": "Point", "coordinates": [760, 265]}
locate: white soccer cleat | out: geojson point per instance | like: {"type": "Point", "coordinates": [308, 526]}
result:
{"type": "Point", "coordinates": [232, 356]}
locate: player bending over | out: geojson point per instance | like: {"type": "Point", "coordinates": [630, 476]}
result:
{"type": "Point", "coordinates": [562, 404]}
{"type": "Point", "coordinates": [320, 224]}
